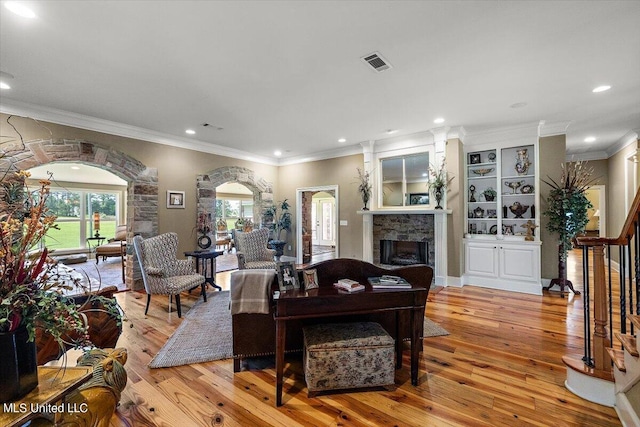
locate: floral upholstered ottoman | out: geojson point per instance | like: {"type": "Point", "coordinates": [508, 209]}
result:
{"type": "Point", "coordinates": [348, 355]}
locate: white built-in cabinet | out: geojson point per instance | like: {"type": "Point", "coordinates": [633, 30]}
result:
{"type": "Point", "coordinates": [501, 203]}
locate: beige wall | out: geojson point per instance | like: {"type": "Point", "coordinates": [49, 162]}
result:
{"type": "Point", "coordinates": [341, 172]}
{"type": "Point", "coordinates": [552, 154]}
{"type": "Point", "coordinates": [177, 169]}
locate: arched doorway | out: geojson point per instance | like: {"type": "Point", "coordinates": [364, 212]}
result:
{"type": "Point", "coordinates": [206, 191]}
{"type": "Point", "coordinates": [142, 182]}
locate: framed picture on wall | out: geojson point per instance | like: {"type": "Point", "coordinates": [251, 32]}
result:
{"type": "Point", "coordinates": [474, 158]}
{"type": "Point", "coordinates": [175, 199]}
{"type": "Point", "coordinates": [287, 276]}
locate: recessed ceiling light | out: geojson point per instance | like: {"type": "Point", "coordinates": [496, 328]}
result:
{"type": "Point", "coordinates": [3, 85]}
{"type": "Point", "coordinates": [190, 131]}
{"type": "Point", "coordinates": [392, 131]}
{"type": "Point", "coordinates": [438, 120]}
{"type": "Point", "coordinates": [342, 140]}
{"type": "Point", "coordinates": [518, 105]}
{"type": "Point", "coordinates": [601, 88]}
{"type": "Point", "coordinates": [19, 9]}
{"type": "Point", "coordinates": [590, 139]}
{"type": "Point", "coordinates": [424, 174]}
{"type": "Point", "coordinates": [75, 168]}
{"type": "Point", "coordinates": [277, 153]}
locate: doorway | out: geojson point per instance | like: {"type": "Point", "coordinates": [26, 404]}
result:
{"type": "Point", "coordinates": [317, 230]}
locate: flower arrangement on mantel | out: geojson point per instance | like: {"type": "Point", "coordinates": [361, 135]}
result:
{"type": "Point", "coordinates": [364, 187]}
{"type": "Point", "coordinates": [438, 181]}
{"type": "Point", "coordinates": [31, 288]}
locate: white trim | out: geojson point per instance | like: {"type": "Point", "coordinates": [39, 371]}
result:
{"type": "Point", "coordinates": [119, 129]}
{"type": "Point", "coordinates": [336, 220]}
{"type": "Point", "coordinates": [629, 138]}
{"type": "Point", "coordinates": [590, 388]}
{"type": "Point", "coordinates": [585, 157]}
{"type": "Point", "coordinates": [550, 129]}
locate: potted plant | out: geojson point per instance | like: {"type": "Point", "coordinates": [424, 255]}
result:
{"type": "Point", "coordinates": [490, 194]}
{"type": "Point", "coordinates": [364, 187]}
{"type": "Point", "coordinates": [438, 181]}
{"type": "Point", "coordinates": [32, 293]}
{"type": "Point", "coordinates": [567, 213]}
{"type": "Point", "coordinates": [280, 221]}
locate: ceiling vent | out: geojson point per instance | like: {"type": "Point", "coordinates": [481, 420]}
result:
{"type": "Point", "coordinates": [377, 62]}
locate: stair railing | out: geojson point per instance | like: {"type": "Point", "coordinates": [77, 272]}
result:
{"type": "Point", "coordinates": [628, 243]}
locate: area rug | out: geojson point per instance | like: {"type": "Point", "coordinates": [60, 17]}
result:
{"type": "Point", "coordinates": [226, 262]}
{"type": "Point", "coordinates": [205, 334]}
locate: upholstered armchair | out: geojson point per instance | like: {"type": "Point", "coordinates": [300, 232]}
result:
{"type": "Point", "coordinates": [115, 247]}
{"type": "Point", "coordinates": [252, 250]}
{"type": "Point", "coordinates": [162, 272]}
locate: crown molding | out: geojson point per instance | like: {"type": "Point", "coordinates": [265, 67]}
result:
{"type": "Point", "coordinates": [526, 132]}
{"type": "Point", "coordinates": [550, 129]}
{"type": "Point", "coordinates": [458, 132]}
{"type": "Point", "coordinates": [66, 118]}
{"type": "Point", "coordinates": [629, 138]}
{"type": "Point", "coordinates": [588, 156]}
{"type": "Point", "coordinates": [322, 155]}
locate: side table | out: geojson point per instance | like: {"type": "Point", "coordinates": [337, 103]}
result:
{"type": "Point", "coordinates": [93, 243]}
{"type": "Point", "coordinates": [201, 258]}
{"type": "Point", "coordinates": [54, 383]}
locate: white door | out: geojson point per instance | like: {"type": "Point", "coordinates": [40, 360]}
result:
{"type": "Point", "coordinates": [322, 222]}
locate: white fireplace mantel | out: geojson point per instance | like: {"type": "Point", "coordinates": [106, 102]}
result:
{"type": "Point", "coordinates": [440, 236]}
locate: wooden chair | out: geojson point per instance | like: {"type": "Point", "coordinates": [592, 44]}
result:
{"type": "Point", "coordinates": [162, 272]}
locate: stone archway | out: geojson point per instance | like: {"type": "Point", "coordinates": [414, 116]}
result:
{"type": "Point", "coordinates": [142, 189]}
{"type": "Point", "coordinates": [206, 190]}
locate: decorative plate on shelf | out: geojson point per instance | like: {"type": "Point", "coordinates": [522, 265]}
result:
{"type": "Point", "coordinates": [483, 171]}
{"type": "Point", "coordinates": [492, 157]}
{"type": "Point", "coordinates": [493, 229]}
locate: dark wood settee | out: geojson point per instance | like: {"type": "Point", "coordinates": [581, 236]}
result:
{"type": "Point", "coordinates": [254, 334]}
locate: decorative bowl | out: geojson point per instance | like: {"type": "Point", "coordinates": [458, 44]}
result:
{"type": "Point", "coordinates": [526, 189]}
{"type": "Point", "coordinates": [518, 210]}
{"type": "Point", "coordinates": [483, 171]}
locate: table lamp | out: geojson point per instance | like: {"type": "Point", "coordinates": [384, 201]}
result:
{"type": "Point", "coordinates": [96, 223]}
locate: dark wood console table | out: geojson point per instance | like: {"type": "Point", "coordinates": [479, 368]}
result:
{"type": "Point", "coordinates": [327, 301]}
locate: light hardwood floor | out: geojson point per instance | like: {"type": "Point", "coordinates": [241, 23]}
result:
{"type": "Point", "coordinates": [500, 366]}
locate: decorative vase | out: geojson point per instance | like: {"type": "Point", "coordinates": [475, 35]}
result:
{"type": "Point", "coordinates": [365, 201]}
{"type": "Point", "coordinates": [278, 246]}
{"type": "Point", "coordinates": [19, 366]}
{"type": "Point", "coordinates": [438, 193]}
{"type": "Point", "coordinates": [522, 162]}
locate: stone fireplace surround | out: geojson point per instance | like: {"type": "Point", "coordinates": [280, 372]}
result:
{"type": "Point", "coordinates": [403, 228]}
{"type": "Point", "coordinates": [412, 225]}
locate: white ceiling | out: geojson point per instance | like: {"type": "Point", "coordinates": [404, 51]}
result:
{"type": "Point", "coordinates": [287, 75]}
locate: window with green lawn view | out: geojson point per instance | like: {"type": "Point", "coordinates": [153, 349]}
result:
{"type": "Point", "coordinates": [232, 209]}
{"type": "Point", "coordinates": [75, 210]}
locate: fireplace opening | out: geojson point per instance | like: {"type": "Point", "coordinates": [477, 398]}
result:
{"type": "Point", "coordinates": [394, 252]}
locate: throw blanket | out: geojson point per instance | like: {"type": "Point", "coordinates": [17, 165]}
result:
{"type": "Point", "coordinates": [250, 291]}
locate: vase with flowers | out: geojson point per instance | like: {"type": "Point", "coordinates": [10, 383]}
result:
{"type": "Point", "coordinates": [33, 294]}
{"type": "Point", "coordinates": [438, 181]}
{"type": "Point", "coordinates": [364, 187]}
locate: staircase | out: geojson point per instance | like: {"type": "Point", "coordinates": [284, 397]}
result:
{"type": "Point", "coordinates": [609, 370]}
{"type": "Point", "coordinates": [626, 373]}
